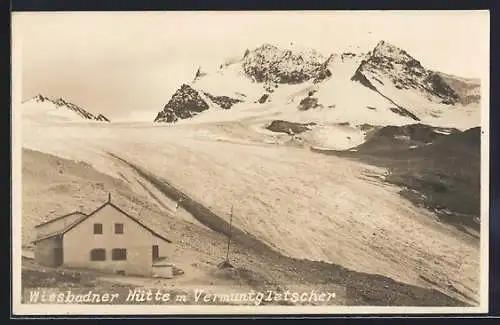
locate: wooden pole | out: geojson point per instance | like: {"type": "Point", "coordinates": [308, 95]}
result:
{"type": "Point", "coordinates": [230, 234]}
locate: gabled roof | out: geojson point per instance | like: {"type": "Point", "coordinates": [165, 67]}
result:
{"type": "Point", "coordinates": [76, 223]}
{"type": "Point", "coordinates": [59, 218]}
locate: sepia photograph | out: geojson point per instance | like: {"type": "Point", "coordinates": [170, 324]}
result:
{"type": "Point", "coordinates": [250, 162]}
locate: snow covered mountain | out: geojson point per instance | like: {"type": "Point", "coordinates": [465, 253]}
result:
{"type": "Point", "coordinates": [416, 91]}
{"type": "Point", "coordinates": [385, 86]}
{"type": "Point", "coordinates": [41, 108]}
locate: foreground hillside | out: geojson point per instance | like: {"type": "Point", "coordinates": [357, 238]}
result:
{"type": "Point", "coordinates": [198, 248]}
{"type": "Point", "coordinates": [299, 203]}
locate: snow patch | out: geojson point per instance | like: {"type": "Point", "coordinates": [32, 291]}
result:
{"type": "Point", "coordinates": [442, 132]}
{"type": "Point", "coordinates": [334, 137]}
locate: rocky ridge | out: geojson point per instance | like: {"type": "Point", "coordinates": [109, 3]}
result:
{"type": "Point", "coordinates": [60, 102]}
{"type": "Point", "coordinates": [271, 65]}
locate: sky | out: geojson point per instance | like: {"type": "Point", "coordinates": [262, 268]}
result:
{"type": "Point", "coordinates": [127, 65]}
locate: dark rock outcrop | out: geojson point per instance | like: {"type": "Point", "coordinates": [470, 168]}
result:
{"type": "Point", "coordinates": [308, 103]}
{"type": "Point", "coordinates": [102, 118]}
{"type": "Point", "coordinates": [441, 88]}
{"type": "Point", "coordinates": [467, 89]}
{"type": "Point", "coordinates": [224, 102]}
{"type": "Point", "coordinates": [185, 103]}
{"type": "Point", "coordinates": [199, 74]}
{"type": "Point", "coordinates": [188, 102]}
{"type": "Point", "coordinates": [361, 78]}
{"type": "Point", "coordinates": [402, 137]}
{"type": "Point", "coordinates": [290, 128]}
{"type": "Point", "coordinates": [263, 98]}
{"type": "Point", "coordinates": [269, 64]}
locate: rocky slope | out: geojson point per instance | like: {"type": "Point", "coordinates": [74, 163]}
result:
{"type": "Point", "coordinates": [187, 102]}
{"type": "Point", "coordinates": [387, 62]}
{"type": "Point", "coordinates": [59, 108]}
{"type": "Point", "coordinates": [272, 65]}
{"type": "Point", "coordinates": [416, 91]}
{"type": "Point", "coordinates": [468, 90]}
{"type": "Point", "coordinates": [102, 118]}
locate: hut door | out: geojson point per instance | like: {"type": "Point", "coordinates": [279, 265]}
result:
{"type": "Point", "coordinates": [156, 252]}
{"type": "Point", "coordinates": [58, 256]}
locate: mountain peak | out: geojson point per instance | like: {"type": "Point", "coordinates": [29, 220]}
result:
{"type": "Point", "coordinates": [391, 65]}
{"type": "Point", "coordinates": [39, 98]}
{"type": "Point", "coordinates": [385, 44]}
{"type": "Point", "coordinates": [267, 46]}
{"type": "Point", "coordinates": [385, 49]}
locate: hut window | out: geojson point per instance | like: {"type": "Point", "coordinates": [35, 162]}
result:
{"type": "Point", "coordinates": [98, 254]}
{"type": "Point", "coordinates": [119, 254]}
{"type": "Point", "coordinates": [97, 228]}
{"type": "Point", "coordinates": [118, 228]}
